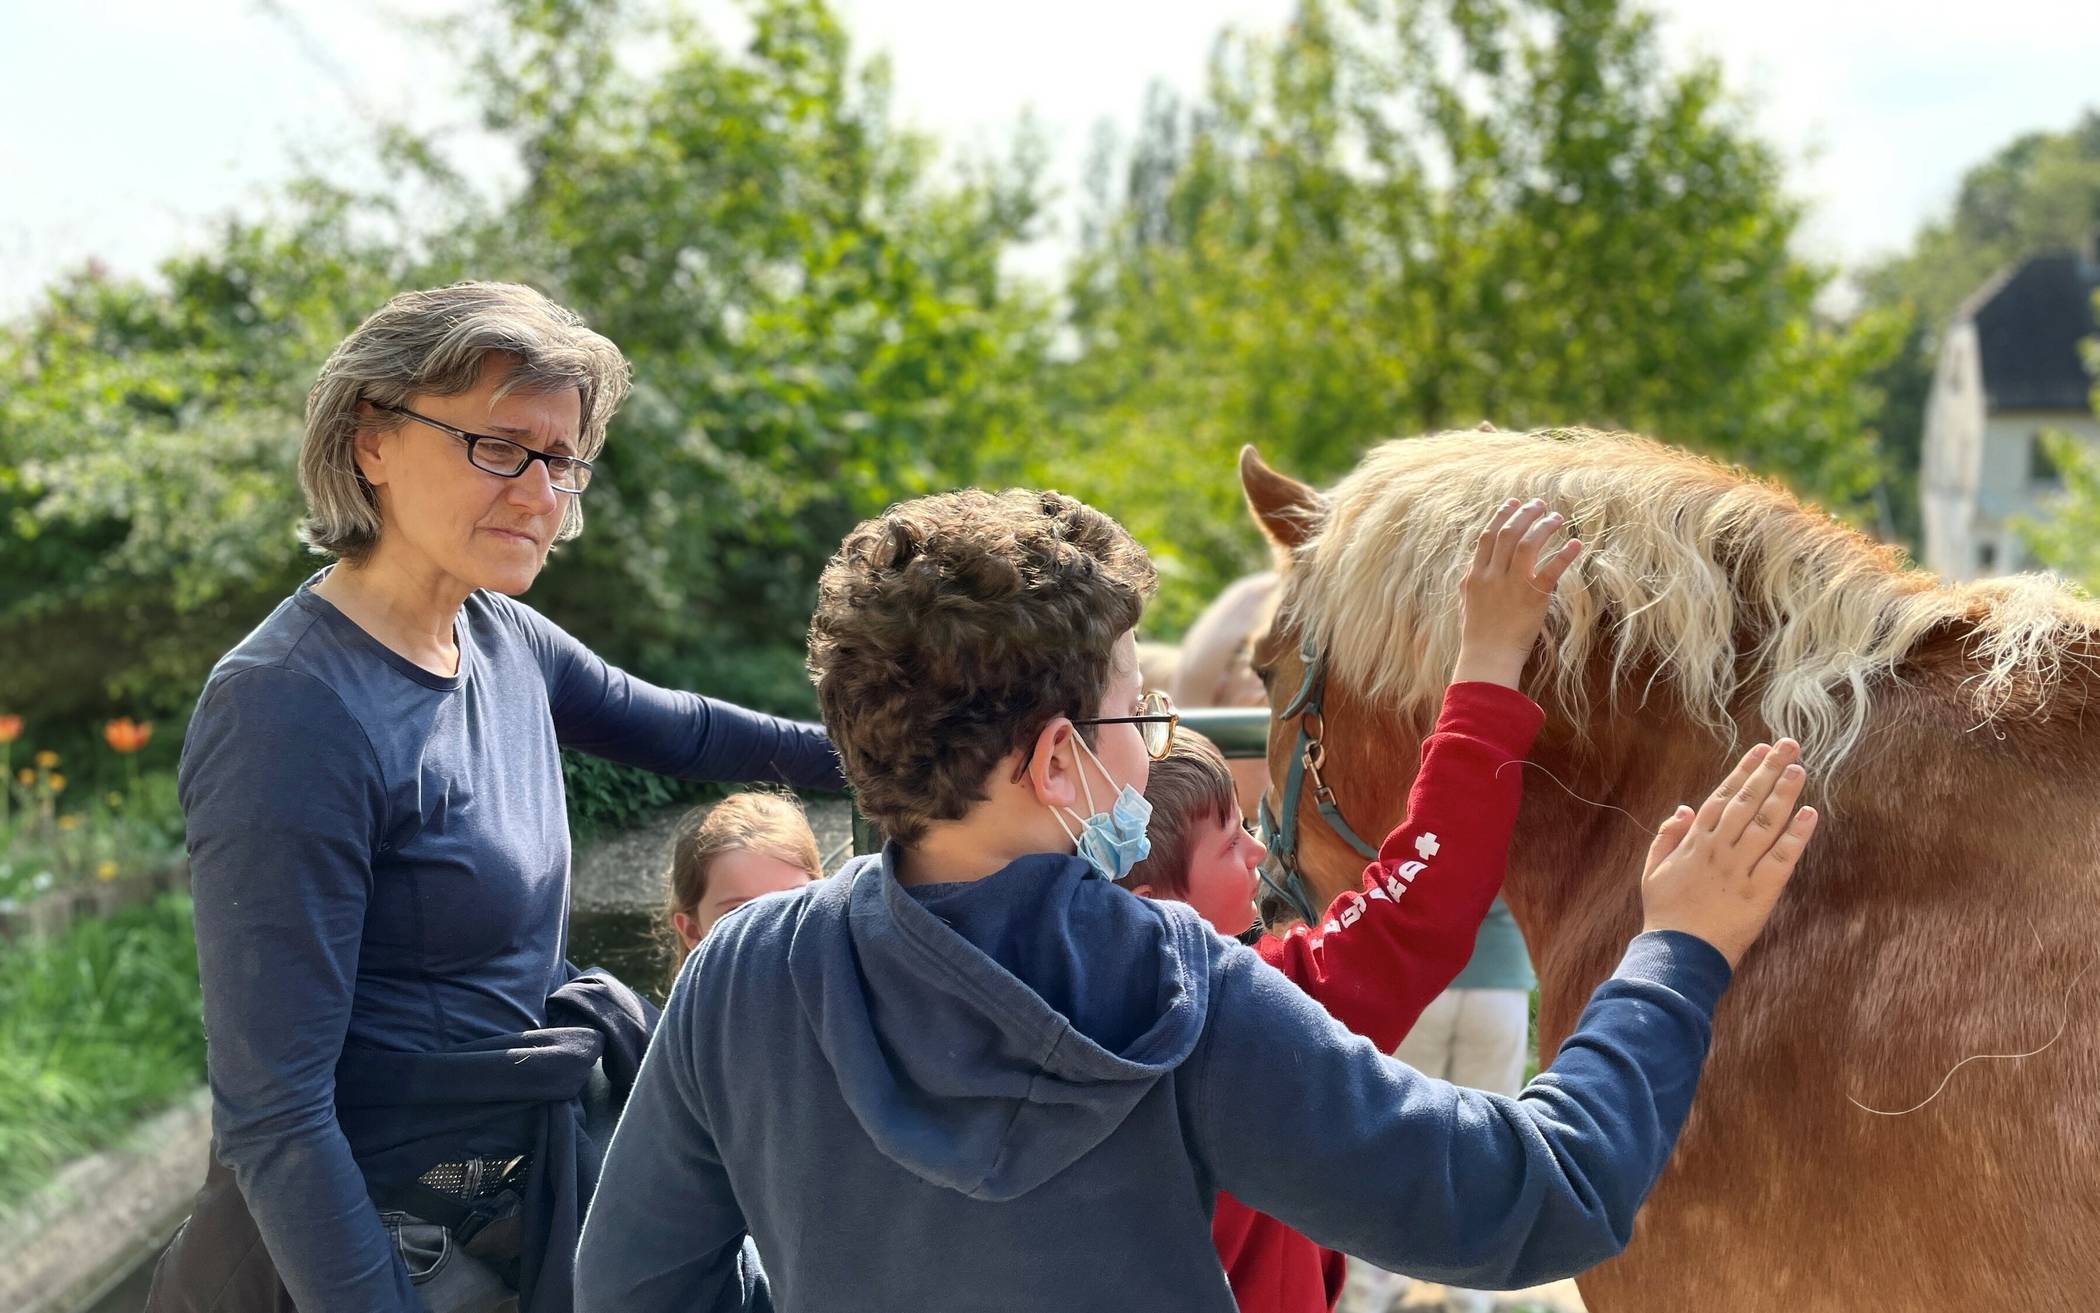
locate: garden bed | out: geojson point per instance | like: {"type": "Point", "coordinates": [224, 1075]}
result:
{"type": "Point", "coordinates": [49, 915]}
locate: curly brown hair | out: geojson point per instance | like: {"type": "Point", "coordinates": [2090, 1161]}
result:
{"type": "Point", "coordinates": [951, 629]}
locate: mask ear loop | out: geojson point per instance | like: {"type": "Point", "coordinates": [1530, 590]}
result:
{"type": "Point", "coordinates": [1088, 789]}
{"type": "Point", "coordinates": [1080, 771]}
{"type": "Point", "coordinates": [1099, 765]}
{"type": "Point", "coordinates": [1055, 815]}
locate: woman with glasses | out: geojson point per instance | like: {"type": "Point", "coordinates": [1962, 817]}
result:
{"type": "Point", "coordinates": [398, 1049]}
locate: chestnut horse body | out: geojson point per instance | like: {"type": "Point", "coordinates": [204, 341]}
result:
{"type": "Point", "coordinates": [1948, 906]}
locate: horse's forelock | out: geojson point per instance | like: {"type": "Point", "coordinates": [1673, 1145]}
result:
{"type": "Point", "coordinates": [1698, 582]}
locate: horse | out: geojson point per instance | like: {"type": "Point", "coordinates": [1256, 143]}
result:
{"type": "Point", "coordinates": [1216, 670]}
{"type": "Point", "coordinates": [1849, 1148]}
{"type": "Point", "coordinates": [1159, 664]}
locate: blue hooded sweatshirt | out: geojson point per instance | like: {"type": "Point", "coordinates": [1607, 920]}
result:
{"type": "Point", "coordinates": [1024, 1092]}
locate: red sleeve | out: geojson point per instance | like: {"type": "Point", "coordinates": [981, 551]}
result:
{"type": "Point", "coordinates": [1383, 954]}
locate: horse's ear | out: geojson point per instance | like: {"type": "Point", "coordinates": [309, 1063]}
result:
{"type": "Point", "coordinates": [1288, 511]}
{"type": "Point", "coordinates": [1486, 426]}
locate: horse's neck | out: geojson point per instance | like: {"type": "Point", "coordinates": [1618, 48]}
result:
{"type": "Point", "coordinates": [1590, 810]}
{"type": "Point", "coordinates": [1931, 780]}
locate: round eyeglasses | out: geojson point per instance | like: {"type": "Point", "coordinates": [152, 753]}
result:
{"type": "Point", "coordinates": [1155, 720]}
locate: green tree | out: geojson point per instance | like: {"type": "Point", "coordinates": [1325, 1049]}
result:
{"type": "Point", "coordinates": [1401, 215]}
{"type": "Point", "coordinates": [2040, 192]}
{"type": "Point", "coordinates": [816, 317]}
{"type": "Point", "coordinates": [147, 492]}
{"type": "Point", "coordinates": [1393, 216]}
{"type": "Point", "coordinates": [812, 303]}
{"type": "Point", "coordinates": [2068, 542]}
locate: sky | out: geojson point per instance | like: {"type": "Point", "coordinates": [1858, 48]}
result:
{"type": "Point", "coordinates": [127, 125]}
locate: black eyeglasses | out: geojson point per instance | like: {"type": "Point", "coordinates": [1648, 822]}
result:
{"type": "Point", "coordinates": [507, 458]}
{"type": "Point", "coordinates": [1155, 720]}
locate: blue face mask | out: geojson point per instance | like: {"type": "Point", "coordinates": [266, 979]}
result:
{"type": "Point", "coordinates": [1110, 841]}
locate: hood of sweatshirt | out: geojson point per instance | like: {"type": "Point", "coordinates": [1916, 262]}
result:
{"type": "Point", "coordinates": [988, 1034]}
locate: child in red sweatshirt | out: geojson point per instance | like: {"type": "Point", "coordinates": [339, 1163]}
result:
{"type": "Point", "coordinates": [1382, 955]}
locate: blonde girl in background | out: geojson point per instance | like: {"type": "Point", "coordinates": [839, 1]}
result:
{"type": "Point", "coordinates": [723, 857]}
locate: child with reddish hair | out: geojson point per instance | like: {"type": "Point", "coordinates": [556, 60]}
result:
{"type": "Point", "coordinates": [1383, 954]}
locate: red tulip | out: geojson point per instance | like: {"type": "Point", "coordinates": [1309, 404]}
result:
{"type": "Point", "coordinates": [10, 728]}
{"type": "Point", "coordinates": [126, 735]}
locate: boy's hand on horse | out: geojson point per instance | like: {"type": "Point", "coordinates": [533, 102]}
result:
{"type": "Point", "coordinates": [1716, 873]}
{"type": "Point", "coordinates": [1506, 590]}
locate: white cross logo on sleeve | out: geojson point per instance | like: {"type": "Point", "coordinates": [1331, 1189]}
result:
{"type": "Point", "coordinates": [1427, 846]}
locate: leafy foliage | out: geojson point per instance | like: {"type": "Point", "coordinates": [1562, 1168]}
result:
{"type": "Point", "coordinates": [817, 323]}
{"type": "Point", "coordinates": [815, 316]}
{"type": "Point", "coordinates": [2068, 541]}
{"type": "Point", "coordinates": [1405, 215]}
{"type": "Point", "coordinates": [2038, 193]}
{"type": "Point", "coordinates": [99, 838]}
{"type": "Point", "coordinates": [606, 796]}
{"type": "Point", "coordinates": [1393, 216]}
{"type": "Point", "coordinates": [147, 439]}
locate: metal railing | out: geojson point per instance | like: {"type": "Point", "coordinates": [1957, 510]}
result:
{"type": "Point", "coordinates": [1239, 732]}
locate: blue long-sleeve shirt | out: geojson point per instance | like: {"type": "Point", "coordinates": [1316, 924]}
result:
{"type": "Point", "coordinates": [1025, 1092]}
{"type": "Point", "coordinates": [380, 856]}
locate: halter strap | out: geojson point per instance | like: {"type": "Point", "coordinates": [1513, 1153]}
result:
{"type": "Point", "coordinates": [1307, 756]}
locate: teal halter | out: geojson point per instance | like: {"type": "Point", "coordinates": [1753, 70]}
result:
{"type": "Point", "coordinates": [1307, 757]}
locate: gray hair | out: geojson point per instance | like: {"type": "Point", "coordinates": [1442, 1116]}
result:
{"type": "Point", "coordinates": [433, 343]}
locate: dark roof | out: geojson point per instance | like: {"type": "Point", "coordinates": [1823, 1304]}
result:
{"type": "Point", "coordinates": [2030, 322]}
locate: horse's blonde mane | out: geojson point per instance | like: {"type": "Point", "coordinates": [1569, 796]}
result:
{"type": "Point", "coordinates": [1698, 581]}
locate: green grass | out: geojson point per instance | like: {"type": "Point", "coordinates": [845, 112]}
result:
{"type": "Point", "coordinates": [99, 1027]}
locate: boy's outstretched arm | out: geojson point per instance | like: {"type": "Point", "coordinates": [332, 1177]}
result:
{"type": "Point", "coordinates": [1303, 1121]}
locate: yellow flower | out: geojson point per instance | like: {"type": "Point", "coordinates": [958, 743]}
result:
{"type": "Point", "coordinates": [25, 777]}
{"type": "Point", "coordinates": [106, 871]}
{"type": "Point", "coordinates": [55, 782]}
{"type": "Point", "coordinates": [47, 759]}
{"type": "Point", "coordinates": [69, 822]}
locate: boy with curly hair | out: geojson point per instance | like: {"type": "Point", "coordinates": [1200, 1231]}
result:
{"type": "Point", "coordinates": [970, 1072]}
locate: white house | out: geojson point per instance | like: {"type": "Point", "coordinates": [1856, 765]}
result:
{"type": "Point", "coordinates": [2010, 367]}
